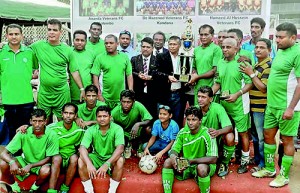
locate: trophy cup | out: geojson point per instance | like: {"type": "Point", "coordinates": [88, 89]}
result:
{"type": "Point", "coordinates": [186, 54]}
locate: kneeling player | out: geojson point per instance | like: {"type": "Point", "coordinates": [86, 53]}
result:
{"type": "Point", "coordinates": [199, 152]}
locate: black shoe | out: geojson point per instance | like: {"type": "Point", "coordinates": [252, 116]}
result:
{"type": "Point", "coordinates": [242, 169]}
{"type": "Point", "coordinates": [223, 170]}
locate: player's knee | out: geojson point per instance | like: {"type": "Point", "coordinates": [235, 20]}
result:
{"type": "Point", "coordinates": [229, 139]}
{"type": "Point", "coordinates": [81, 164]}
{"type": "Point", "coordinates": [73, 159]}
{"type": "Point", "coordinates": [3, 165]}
{"type": "Point", "coordinates": [45, 170]}
{"type": "Point", "coordinates": [168, 163]}
{"type": "Point", "coordinates": [120, 162]}
{"type": "Point", "coordinates": [56, 160]}
{"type": "Point", "coordinates": [203, 170]}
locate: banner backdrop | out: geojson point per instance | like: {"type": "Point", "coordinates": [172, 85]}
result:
{"type": "Point", "coordinates": [145, 17]}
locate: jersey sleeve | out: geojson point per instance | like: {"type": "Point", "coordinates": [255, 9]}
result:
{"type": "Point", "coordinates": [175, 130]}
{"type": "Point", "coordinates": [96, 66]}
{"type": "Point", "coordinates": [297, 65]}
{"type": "Point", "coordinates": [218, 80]}
{"type": "Point", "coordinates": [265, 76]}
{"type": "Point", "coordinates": [73, 65]}
{"type": "Point", "coordinates": [145, 115]}
{"type": "Point", "coordinates": [35, 63]}
{"type": "Point", "coordinates": [155, 128]}
{"type": "Point", "coordinates": [128, 70]}
{"type": "Point", "coordinates": [52, 147]}
{"type": "Point", "coordinates": [15, 144]}
{"type": "Point", "coordinates": [246, 78]}
{"type": "Point", "coordinates": [87, 138]}
{"type": "Point", "coordinates": [217, 56]}
{"type": "Point", "coordinates": [119, 137]}
{"type": "Point", "coordinates": [211, 146]}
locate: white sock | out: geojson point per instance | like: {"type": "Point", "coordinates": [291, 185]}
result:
{"type": "Point", "coordinates": [245, 154]}
{"type": "Point", "coordinates": [88, 186]}
{"type": "Point", "coordinates": [113, 186]}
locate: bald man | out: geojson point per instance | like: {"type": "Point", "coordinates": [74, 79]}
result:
{"type": "Point", "coordinates": [234, 87]}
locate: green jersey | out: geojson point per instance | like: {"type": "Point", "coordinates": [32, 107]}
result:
{"type": "Point", "coordinates": [231, 79]}
{"type": "Point", "coordinates": [282, 80]}
{"type": "Point", "coordinates": [54, 61]}
{"type": "Point", "coordinates": [34, 148]}
{"type": "Point", "coordinates": [248, 54]}
{"type": "Point", "coordinates": [216, 117]}
{"type": "Point", "coordinates": [195, 146]}
{"type": "Point", "coordinates": [138, 113]}
{"type": "Point", "coordinates": [206, 58]}
{"type": "Point", "coordinates": [114, 69]}
{"type": "Point", "coordinates": [104, 144]}
{"type": "Point", "coordinates": [85, 60]}
{"type": "Point", "coordinates": [15, 74]}
{"type": "Point", "coordinates": [69, 139]}
{"type": "Point", "coordinates": [88, 115]}
{"type": "Point", "coordinates": [98, 48]}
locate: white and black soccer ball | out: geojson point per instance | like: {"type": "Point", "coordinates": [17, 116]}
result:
{"type": "Point", "coordinates": [148, 164]}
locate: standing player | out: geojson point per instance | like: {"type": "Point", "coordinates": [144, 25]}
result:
{"type": "Point", "coordinates": [34, 160]}
{"type": "Point", "coordinates": [107, 139]}
{"type": "Point", "coordinates": [69, 137]}
{"type": "Point", "coordinates": [85, 59]}
{"type": "Point", "coordinates": [206, 58]}
{"type": "Point", "coordinates": [55, 58]}
{"type": "Point", "coordinates": [95, 43]}
{"type": "Point", "coordinates": [197, 148]}
{"type": "Point", "coordinates": [16, 66]}
{"type": "Point", "coordinates": [283, 104]}
{"type": "Point", "coordinates": [115, 66]}
{"type": "Point", "coordinates": [234, 86]}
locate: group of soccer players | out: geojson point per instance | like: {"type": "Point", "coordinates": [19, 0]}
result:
{"type": "Point", "coordinates": [229, 82]}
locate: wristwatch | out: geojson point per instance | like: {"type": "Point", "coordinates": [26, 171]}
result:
{"type": "Point", "coordinates": [252, 75]}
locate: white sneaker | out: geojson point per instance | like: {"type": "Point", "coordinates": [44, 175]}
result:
{"type": "Point", "coordinates": [279, 181]}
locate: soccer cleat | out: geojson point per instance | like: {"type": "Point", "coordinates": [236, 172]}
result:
{"type": "Point", "coordinates": [223, 170]}
{"type": "Point", "coordinates": [279, 181]}
{"type": "Point", "coordinates": [15, 187]}
{"type": "Point", "coordinates": [264, 173]}
{"type": "Point", "coordinates": [243, 168]}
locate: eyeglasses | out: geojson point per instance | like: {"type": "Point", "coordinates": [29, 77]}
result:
{"type": "Point", "coordinates": [164, 107]}
{"type": "Point", "coordinates": [125, 32]}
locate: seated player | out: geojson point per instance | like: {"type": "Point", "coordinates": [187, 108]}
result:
{"type": "Point", "coordinates": [69, 136]}
{"type": "Point", "coordinates": [133, 117]}
{"type": "Point", "coordinates": [199, 154]}
{"type": "Point", "coordinates": [216, 119]}
{"type": "Point", "coordinates": [87, 110]}
{"type": "Point", "coordinates": [164, 132]}
{"type": "Point", "coordinates": [107, 138]}
{"type": "Point", "coordinates": [38, 145]}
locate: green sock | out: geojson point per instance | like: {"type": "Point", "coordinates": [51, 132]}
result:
{"type": "Point", "coordinates": [64, 187]}
{"type": "Point", "coordinates": [204, 184]}
{"type": "Point", "coordinates": [168, 179]}
{"type": "Point", "coordinates": [286, 165]}
{"type": "Point", "coordinates": [269, 153]}
{"type": "Point", "coordinates": [51, 191]}
{"type": "Point", "coordinates": [34, 187]}
{"type": "Point", "coordinates": [227, 153]}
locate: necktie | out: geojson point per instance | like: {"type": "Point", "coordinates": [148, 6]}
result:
{"type": "Point", "coordinates": [157, 52]}
{"type": "Point", "coordinates": [145, 69]}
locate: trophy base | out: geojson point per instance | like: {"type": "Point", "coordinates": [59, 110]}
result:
{"type": "Point", "coordinates": [182, 77]}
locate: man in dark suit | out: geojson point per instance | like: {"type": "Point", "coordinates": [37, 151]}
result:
{"type": "Point", "coordinates": [168, 89]}
{"type": "Point", "coordinates": [143, 66]}
{"type": "Point", "coordinates": [159, 39]}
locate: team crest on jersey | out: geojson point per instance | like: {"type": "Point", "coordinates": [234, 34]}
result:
{"type": "Point", "coordinates": [25, 60]}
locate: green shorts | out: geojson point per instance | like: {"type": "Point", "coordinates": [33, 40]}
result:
{"type": "Point", "coordinates": [273, 119]}
{"type": "Point", "coordinates": [65, 163]}
{"type": "Point", "coordinates": [97, 161]}
{"type": "Point", "coordinates": [242, 122]}
{"type": "Point", "coordinates": [191, 172]}
{"type": "Point", "coordinates": [24, 163]}
{"type": "Point", "coordinates": [53, 102]}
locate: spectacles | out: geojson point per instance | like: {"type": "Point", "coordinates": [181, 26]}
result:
{"type": "Point", "coordinates": [164, 107]}
{"type": "Point", "coordinates": [125, 32]}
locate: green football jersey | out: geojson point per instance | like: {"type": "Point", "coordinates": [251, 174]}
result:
{"type": "Point", "coordinates": [15, 75]}
{"type": "Point", "coordinates": [283, 78]}
{"type": "Point", "coordinates": [114, 68]}
{"type": "Point", "coordinates": [85, 60]}
{"type": "Point", "coordinates": [34, 148]}
{"type": "Point", "coordinates": [69, 139]}
{"type": "Point", "coordinates": [54, 61]}
{"type": "Point", "coordinates": [195, 146]}
{"type": "Point", "coordinates": [98, 48]}
{"type": "Point", "coordinates": [247, 53]}
{"type": "Point", "coordinates": [138, 113]}
{"type": "Point", "coordinates": [104, 144]}
{"type": "Point", "coordinates": [231, 79]}
{"type": "Point", "coordinates": [88, 115]}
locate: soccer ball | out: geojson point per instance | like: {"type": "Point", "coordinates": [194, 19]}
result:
{"type": "Point", "coordinates": [148, 164]}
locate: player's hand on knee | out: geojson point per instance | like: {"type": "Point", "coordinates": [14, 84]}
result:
{"type": "Point", "coordinates": [101, 172]}
{"type": "Point", "coordinates": [92, 171]}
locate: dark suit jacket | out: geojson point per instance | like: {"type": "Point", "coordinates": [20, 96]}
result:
{"type": "Point", "coordinates": [165, 50]}
{"type": "Point", "coordinates": [137, 67]}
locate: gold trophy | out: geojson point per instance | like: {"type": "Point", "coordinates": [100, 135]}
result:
{"type": "Point", "coordinates": [186, 54]}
